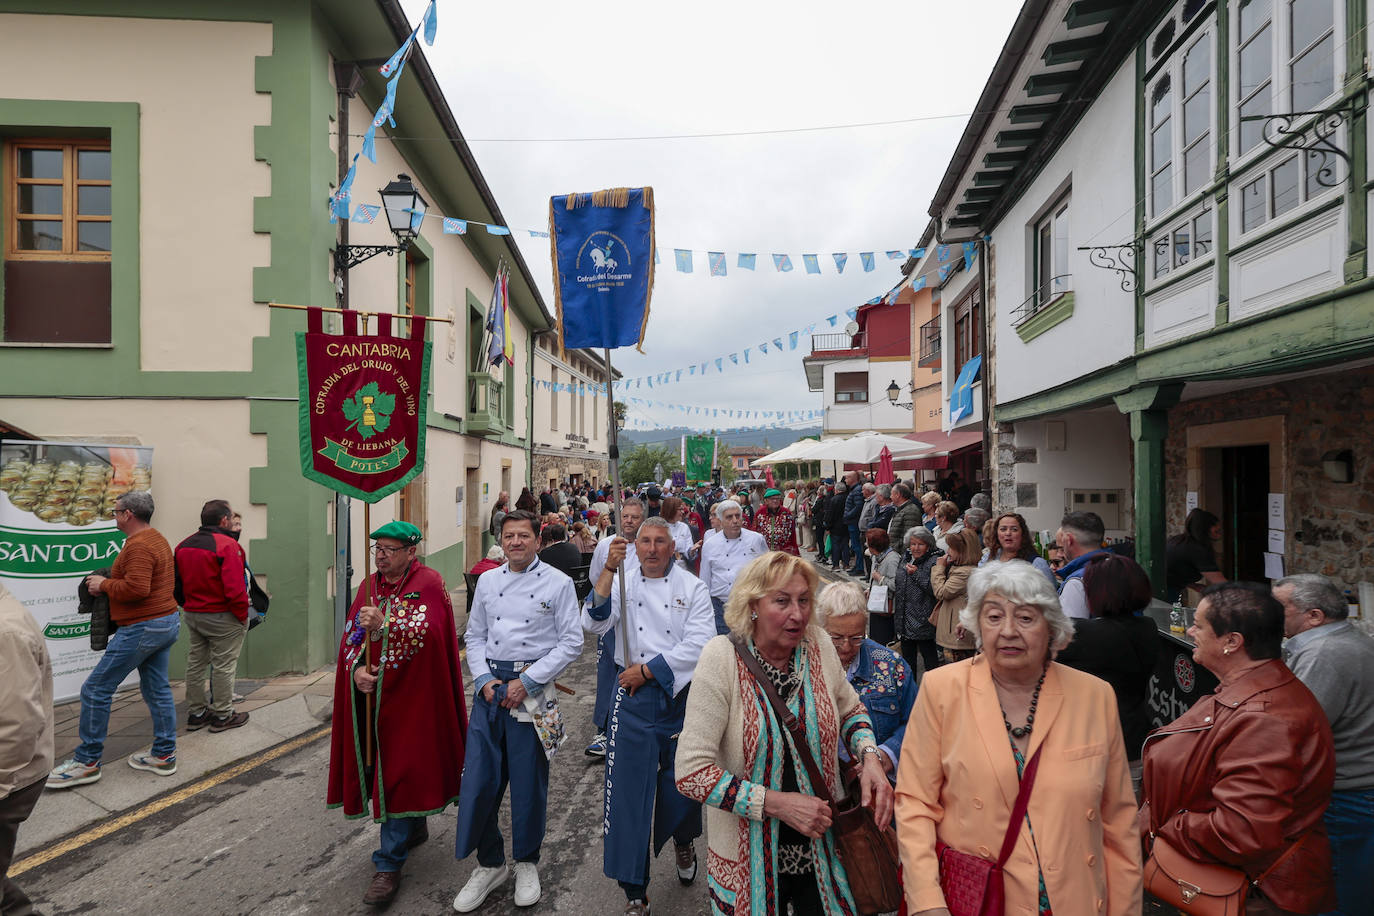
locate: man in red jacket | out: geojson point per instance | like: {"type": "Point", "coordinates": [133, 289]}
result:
{"type": "Point", "coordinates": [212, 588]}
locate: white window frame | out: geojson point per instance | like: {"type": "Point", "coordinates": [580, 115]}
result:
{"type": "Point", "coordinates": [1172, 70]}
{"type": "Point", "coordinates": [1311, 195]}
{"type": "Point", "coordinates": [1280, 85]}
{"type": "Point", "coordinates": [1167, 232]}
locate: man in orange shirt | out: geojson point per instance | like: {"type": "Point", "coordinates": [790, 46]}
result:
{"type": "Point", "coordinates": [141, 603]}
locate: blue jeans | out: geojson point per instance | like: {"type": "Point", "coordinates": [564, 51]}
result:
{"type": "Point", "coordinates": [718, 605]}
{"type": "Point", "coordinates": [147, 646]}
{"type": "Point", "coordinates": [856, 548]}
{"type": "Point", "coordinates": [1350, 827]}
{"type": "Point", "coordinates": [396, 834]}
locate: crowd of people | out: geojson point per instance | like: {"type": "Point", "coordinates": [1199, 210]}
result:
{"type": "Point", "coordinates": [949, 657]}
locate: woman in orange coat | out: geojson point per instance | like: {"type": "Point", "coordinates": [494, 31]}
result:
{"type": "Point", "coordinates": [976, 724]}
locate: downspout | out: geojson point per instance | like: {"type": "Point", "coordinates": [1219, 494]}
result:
{"type": "Point", "coordinates": [529, 411]}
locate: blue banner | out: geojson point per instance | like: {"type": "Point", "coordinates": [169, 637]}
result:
{"type": "Point", "coordinates": [604, 269]}
{"type": "Point", "coordinates": [961, 397]}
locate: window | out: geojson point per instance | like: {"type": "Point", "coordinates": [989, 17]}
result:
{"type": "Point", "coordinates": [1284, 187]}
{"type": "Point", "coordinates": [1286, 60]}
{"type": "Point", "coordinates": [1180, 126]}
{"type": "Point", "coordinates": [851, 387]}
{"type": "Point", "coordinates": [1183, 243]}
{"type": "Point", "coordinates": [968, 328]}
{"type": "Point", "coordinates": [58, 226]}
{"type": "Point", "coordinates": [1051, 254]}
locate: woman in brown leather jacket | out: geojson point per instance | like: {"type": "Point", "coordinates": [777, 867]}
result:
{"type": "Point", "coordinates": [1242, 779]}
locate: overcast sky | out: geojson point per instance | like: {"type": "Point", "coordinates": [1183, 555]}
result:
{"type": "Point", "coordinates": [618, 69]}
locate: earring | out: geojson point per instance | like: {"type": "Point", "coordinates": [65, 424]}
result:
{"type": "Point", "coordinates": [753, 616]}
{"type": "Point", "coordinates": [1226, 651]}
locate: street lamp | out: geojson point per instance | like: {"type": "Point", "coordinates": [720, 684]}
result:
{"type": "Point", "coordinates": [893, 391]}
{"type": "Point", "coordinates": [405, 213]}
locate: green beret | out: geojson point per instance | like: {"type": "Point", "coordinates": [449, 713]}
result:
{"type": "Point", "coordinates": [404, 532]}
{"type": "Point", "coordinates": [772, 493]}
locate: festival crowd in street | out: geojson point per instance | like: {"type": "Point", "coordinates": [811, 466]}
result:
{"type": "Point", "coordinates": [981, 696]}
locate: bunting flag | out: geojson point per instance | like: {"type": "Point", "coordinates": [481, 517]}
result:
{"type": "Point", "coordinates": [942, 253]}
{"type": "Point", "coordinates": [538, 234]}
{"type": "Point", "coordinates": [895, 255]}
{"type": "Point", "coordinates": [840, 260]}
{"type": "Point", "coordinates": [777, 342]}
{"type": "Point", "coordinates": [717, 262]}
{"type": "Point", "coordinates": [746, 261]}
{"type": "Point", "coordinates": [918, 252]}
{"type": "Point", "coordinates": [812, 263]}
{"type": "Point", "coordinates": [782, 262]}
{"type": "Point", "coordinates": [497, 230]}
{"type": "Point", "coordinates": [792, 339]}
{"type": "Point", "coordinates": [945, 271]}
{"type": "Point", "coordinates": [970, 248]}
{"type": "Point", "coordinates": [683, 257]}
{"type": "Point", "coordinates": [867, 258]}
{"type": "Point", "coordinates": [366, 213]}
{"type": "Point", "coordinates": [919, 283]}
{"type": "Point", "coordinates": [852, 313]}
{"type": "Point", "coordinates": [656, 256]}
{"type": "Point", "coordinates": [455, 226]}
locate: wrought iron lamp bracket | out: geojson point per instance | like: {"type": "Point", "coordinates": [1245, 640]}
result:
{"type": "Point", "coordinates": [1313, 133]}
{"type": "Point", "coordinates": [347, 257]}
{"type": "Point", "coordinates": [1119, 258]}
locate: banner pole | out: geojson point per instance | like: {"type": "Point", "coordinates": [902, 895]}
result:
{"type": "Point", "coordinates": [613, 453]}
{"type": "Point", "coordinates": [367, 648]}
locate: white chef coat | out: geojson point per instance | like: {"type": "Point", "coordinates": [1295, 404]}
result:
{"type": "Point", "coordinates": [723, 558]}
{"type": "Point", "coordinates": [670, 622]}
{"type": "Point", "coordinates": [598, 561]}
{"type": "Point", "coordinates": [523, 616]}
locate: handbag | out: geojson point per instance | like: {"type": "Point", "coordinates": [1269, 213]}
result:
{"type": "Point", "coordinates": [972, 885]}
{"type": "Point", "coordinates": [867, 852]}
{"type": "Point", "coordinates": [1199, 888]}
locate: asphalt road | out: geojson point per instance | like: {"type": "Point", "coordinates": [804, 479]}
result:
{"type": "Point", "coordinates": [263, 843]}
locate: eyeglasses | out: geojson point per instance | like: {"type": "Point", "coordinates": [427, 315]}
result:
{"type": "Point", "coordinates": [381, 551]}
{"type": "Point", "coordinates": [847, 640]}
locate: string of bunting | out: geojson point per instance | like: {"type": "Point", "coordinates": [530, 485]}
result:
{"type": "Point", "coordinates": [583, 389]}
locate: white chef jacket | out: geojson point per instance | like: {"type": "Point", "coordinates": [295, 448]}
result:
{"type": "Point", "coordinates": [723, 558]}
{"type": "Point", "coordinates": [523, 616]}
{"type": "Point", "coordinates": [682, 537]}
{"type": "Point", "coordinates": [598, 561]}
{"type": "Point", "coordinates": [670, 622]}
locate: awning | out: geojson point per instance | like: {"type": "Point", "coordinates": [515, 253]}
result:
{"type": "Point", "coordinates": [946, 444]}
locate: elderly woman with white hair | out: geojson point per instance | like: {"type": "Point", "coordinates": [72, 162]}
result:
{"type": "Point", "coordinates": [885, 683]}
{"type": "Point", "coordinates": [985, 726]}
{"type": "Point", "coordinates": [769, 837]}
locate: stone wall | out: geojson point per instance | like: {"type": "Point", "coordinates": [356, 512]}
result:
{"type": "Point", "coordinates": [1330, 525]}
{"type": "Point", "coordinates": [546, 466]}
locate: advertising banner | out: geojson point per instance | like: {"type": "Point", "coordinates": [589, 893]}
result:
{"type": "Point", "coordinates": [603, 266]}
{"type": "Point", "coordinates": [362, 403]}
{"type": "Point", "coordinates": [56, 526]}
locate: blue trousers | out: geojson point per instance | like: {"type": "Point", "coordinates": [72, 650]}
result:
{"type": "Point", "coordinates": [643, 805]}
{"type": "Point", "coordinates": [605, 680]}
{"type": "Point", "coordinates": [396, 834]}
{"type": "Point", "coordinates": [501, 751]}
{"type": "Point", "coordinates": [1350, 826]}
{"type": "Point", "coordinates": [147, 646]}
{"type": "Point", "coordinates": [856, 547]}
{"type": "Point", "coordinates": [719, 606]}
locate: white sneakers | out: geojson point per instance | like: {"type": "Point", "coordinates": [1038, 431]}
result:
{"type": "Point", "coordinates": [527, 889]}
{"type": "Point", "coordinates": [485, 880]}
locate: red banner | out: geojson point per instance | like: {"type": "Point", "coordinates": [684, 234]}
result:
{"type": "Point", "coordinates": [362, 405]}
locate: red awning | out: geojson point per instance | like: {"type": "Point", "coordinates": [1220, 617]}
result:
{"type": "Point", "coordinates": [946, 444]}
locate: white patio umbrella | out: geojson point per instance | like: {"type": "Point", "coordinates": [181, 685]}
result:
{"type": "Point", "coordinates": [786, 453]}
{"type": "Point", "coordinates": [866, 448]}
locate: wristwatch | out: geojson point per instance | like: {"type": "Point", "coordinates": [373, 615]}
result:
{"type": "Point", "coordinates": [871, 749]}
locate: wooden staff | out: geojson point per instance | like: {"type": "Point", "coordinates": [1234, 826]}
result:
{"type": "Point", "coordinates": [613, 452]}
{"type": "Point", "coordinates": [367, 637]}
{"type": "Point", "coordinates": [359, 312]}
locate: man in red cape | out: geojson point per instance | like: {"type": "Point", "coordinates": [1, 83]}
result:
{"type": "Point", "coordinates": [419, 720]}
{"type": "Point", "coordinates": [777, 525]}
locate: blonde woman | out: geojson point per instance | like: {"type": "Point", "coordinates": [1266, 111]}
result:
{"type": "Point", "coordinates": [735, 757]}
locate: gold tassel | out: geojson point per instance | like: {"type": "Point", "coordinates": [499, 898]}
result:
{"type": "Point", "coordinates": [611, 197]}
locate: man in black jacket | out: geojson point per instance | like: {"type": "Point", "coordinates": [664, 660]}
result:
{"type": "Point", "coordinates": [556, 550]}
{"type": "Point", "coordinates": [839, 530]}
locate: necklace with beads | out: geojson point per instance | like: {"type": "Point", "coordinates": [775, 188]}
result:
{"type": "Point", "coordinates": [1023, 731]}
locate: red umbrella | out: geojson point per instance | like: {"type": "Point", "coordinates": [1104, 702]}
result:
{"type": "Point", "coordinates": [885, 474]}
{"type": "Point", "coordinates": [768, 476]}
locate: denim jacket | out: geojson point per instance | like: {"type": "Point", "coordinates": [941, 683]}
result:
{"type": "Point", "coordinates": [887, 687]}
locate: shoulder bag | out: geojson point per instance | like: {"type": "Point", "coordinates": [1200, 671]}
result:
{"type": "Point", "coordinates": [868, 852]}
{"type": "Point", "coordinates": [1199, 888]}
{"type": "Point", "coordinates": [973, 885]}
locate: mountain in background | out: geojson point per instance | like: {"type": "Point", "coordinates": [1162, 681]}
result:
{"type": "Point", "coordinates": [772, 438]}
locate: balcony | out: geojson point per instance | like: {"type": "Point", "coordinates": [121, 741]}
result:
{"type": "Point", "coordinates": [1047, 294]}
{"type": "Point", "coordinates": [930, 343]}
{"type": "Point", "coordinates": [839, 344]}
{"type": "Point", "coordinates": [486, 402]}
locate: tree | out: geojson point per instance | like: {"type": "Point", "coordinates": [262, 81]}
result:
{"type": "Point", "coordinates": [727, 470]}
{"type": "Point", "coordinates": [637, 465]}
{"type": "Point", "coordinates": [620, 411]}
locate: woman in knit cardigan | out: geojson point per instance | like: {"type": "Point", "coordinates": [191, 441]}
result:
{"type": "Point", "coordinates": [769, 835]}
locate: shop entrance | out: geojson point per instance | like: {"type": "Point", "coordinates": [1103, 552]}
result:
{"type": "Point", "coordinates": [1240, 477]}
